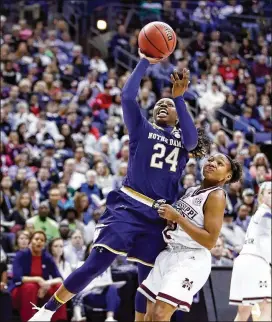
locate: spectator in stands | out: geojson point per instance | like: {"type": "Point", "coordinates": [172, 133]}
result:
{"type": "Point", "coordinates": [150, 11]}
{"type": "Point", "coordinates": [21, 162]}
{"type": "Point", "coordinates": [238, 144]}
{"type": "Point", "coordinates": [218, 253]}
{"type": "Point", "coordinates": [233, 234]}
{"type": "Point", "coordinates": [247, 50]}
{"type": "Point", "coordinates": [222, 141]}
{"type": "Point", "coordinates": [35, 276]}
{"type": "Point", "coordinates": [124, 156]}
{"type": "Point", "coordinates": [6, 160]}
{"type": "Point", "coordinates": [8, 196]}
{"type": "Point", "coordinates": [121, 39]}
{"type": "Point", "coordinates": [212, 100]}
{"type": "Point", "coordinates": [231, 9]}
{"type": "Point", "coordinates": [192, 168]}
{"type": "Point", "coordinates": [43, 222]}
{"type": "Point", "coordinates": [71, 217]}
{"type": "Point", "coordinates": [65, 201]}
{"type": "Point", "coordinates": [118, 179]}
{"type": "Point", "coordinates": [83, 206]}
{"type": "Point", "coordinates": [5, 299]}
{"type": "Point", "coordinates": [262, 174]}
{"type": "Point", "coordinates": [246, 123]}
{"type": "Point", "coordinates": [187, 182]}
{"type": "Point", "coordinates": [104, 178]}
{"type": "Point", "coordinates": [43, 182]}
{"type": "Point", "coordinates": [13, 146]}
{"type": "Point", "coordinates": [248, 198]}
{"type": "Point", "coordinates": [22, 211]}
{"type": "Point", "coordinates": [260, 69]}
{"type": "Point", "coordinates": [32, 188]}
{"type": "Point", "coordinates": [202, 16]}
{"type": "Point", "coordinates": [215, 77]}
{"type": "Point", "coordinates": [214, 128]}
{"type": "Point", "coordinates": [243, 218]}
{"type": "Point", "coordinates": [260, 159]}
{"type": "Point", "coordinates": [56, 249]}
{"type": "Point", "coordinates": [81, 163]}
{"type": "Point", "coordinates": [168, 14]}
{"type": "Point", "coordinates": [64, 233]}
{"type": "Point", "coordinates": [74, 252]}
{"type": "Point", "coordinates": [90, 187]}
{"type": "Point", "coordinates": [228, 71]}
{"type": "Point", "coordinates": [53, 201]}
{"type": "Point", "coordinates": [98, 64]}
{"type": "Point", "coordinates": [22, 240]}
{"type": "Point", "coordinates": [90, 227]}
{"type": "Point", "coordinates": [266, 119]}
{"type": "Point", "coordinates": [231, 107]}
{"type": "Point", "coordinates": [146, 102]}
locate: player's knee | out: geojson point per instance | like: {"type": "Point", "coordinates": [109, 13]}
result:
{"type": "Point", "coordinates": [244, 311]}
{"type": "Point", "coordinates": [159, 313]}
{"type": "Point", "coordinates": [265, 307]}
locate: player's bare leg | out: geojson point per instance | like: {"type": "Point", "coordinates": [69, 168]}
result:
{"type": "Point", "coordinates": [139, 317]}
{"type": "Point", "coordinates": [265, 308]}
{"type": "Point", "coordinates": [243, 313]}
{"type": "Point", "coordinates": [162, 311]}
{"type": "Point", "coordinates": [149, 310]}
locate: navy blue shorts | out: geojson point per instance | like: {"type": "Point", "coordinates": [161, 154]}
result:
{"type": "Point", "coordinates": [130, 228]}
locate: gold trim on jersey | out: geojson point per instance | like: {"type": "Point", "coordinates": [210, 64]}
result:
{"type": "Point", "coordinates": [134, 259]}
{"type": "Point", "coordinates": [117, 252]}
{"type": "Point", "coordinates": [137, 196]}
{"type": "Point", "coordinates": [162, 129]}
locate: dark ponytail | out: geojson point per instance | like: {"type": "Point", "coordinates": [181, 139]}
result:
{"type": "Point", "coordinates": [203, 147]}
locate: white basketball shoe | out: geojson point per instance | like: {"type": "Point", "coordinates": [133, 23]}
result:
{"type": "Point", "coordinates": [43, 315]}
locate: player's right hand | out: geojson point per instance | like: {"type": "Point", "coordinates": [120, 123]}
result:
{"type": "Point", "coordinates": [150, 59]}
{"type": "Point", "coordinates": [180, 86]}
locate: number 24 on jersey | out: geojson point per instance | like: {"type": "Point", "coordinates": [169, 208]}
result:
{"type": "Point", "coordinates": [160, 157]}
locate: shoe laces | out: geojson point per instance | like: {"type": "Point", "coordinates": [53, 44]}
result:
{"type": "Point", "coordinates": [35, 307]}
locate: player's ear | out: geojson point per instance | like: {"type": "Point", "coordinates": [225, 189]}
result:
{"type": "Point", "coordinates": [229, 176]}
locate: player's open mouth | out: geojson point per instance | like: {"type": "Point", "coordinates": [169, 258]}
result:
{"type": "Point", "coordinates": [162, 112]}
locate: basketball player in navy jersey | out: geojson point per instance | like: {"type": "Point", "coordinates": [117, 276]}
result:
{"type": "Point", "coordinates": [130, 225]}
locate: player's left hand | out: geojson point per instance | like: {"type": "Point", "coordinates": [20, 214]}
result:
{"type": "Point", "coordinates": [180, 86]}
{"type": "Point", "coordinates": [168, 212]}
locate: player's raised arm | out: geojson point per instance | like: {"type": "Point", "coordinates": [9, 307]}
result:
{"type": "Point", "coordinates": [213, 214]}
{"type": "Point", "coordinates": [186, 122]}
{"type": "Point", "coordinates": [131, 109]}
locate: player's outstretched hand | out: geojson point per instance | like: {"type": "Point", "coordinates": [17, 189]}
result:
{"type": "Point", "coordinates": [180, 86]}
{"type": "Point", "coordinates": [168, 212]}
{"type": "Point", "coordinates": [150, 59]}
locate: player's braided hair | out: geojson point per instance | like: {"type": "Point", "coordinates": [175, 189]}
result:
{"type": "Point", "coordinates": [237, 170]}
{"type": "Point", "coordinates": [203, 147]}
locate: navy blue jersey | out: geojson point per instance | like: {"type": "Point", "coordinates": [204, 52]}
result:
{"type": "Point", "coordinates": [157, 155]}
{"type": "Point", "coordinates": [156, 161]}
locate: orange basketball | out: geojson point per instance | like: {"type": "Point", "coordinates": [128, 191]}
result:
{"type": "Point", "coordinates": [157, 40]}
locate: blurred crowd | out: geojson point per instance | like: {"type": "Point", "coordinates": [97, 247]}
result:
{"type": "Point", "coordinates": [64, 144]}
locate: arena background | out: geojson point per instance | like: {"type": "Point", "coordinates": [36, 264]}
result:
{"type": "Point", "coordinates": [63, 65]}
